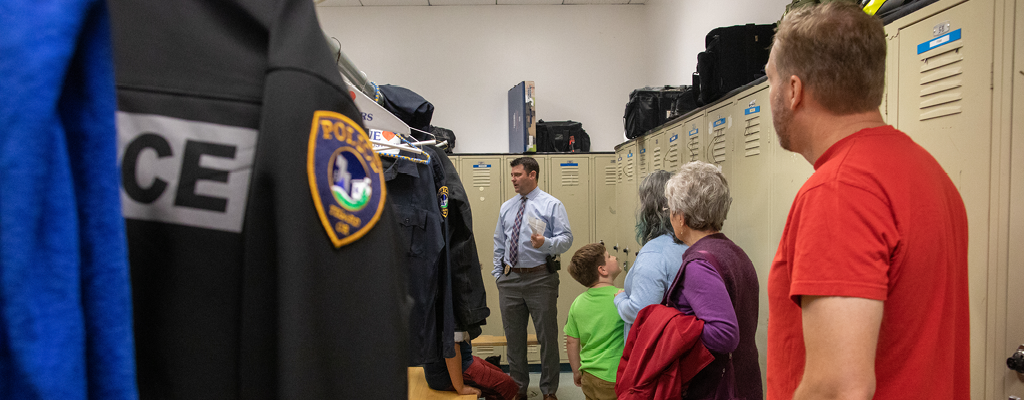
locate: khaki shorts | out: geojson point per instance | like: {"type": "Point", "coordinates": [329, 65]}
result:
{"type": "Point", "coordinates": [596, 388]}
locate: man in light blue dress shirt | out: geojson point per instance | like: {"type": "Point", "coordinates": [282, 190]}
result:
{"type": "Point", "coordinates": [526, 288]}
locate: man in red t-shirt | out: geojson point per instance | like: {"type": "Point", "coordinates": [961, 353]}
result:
{"type": "Point", "coordinates": [868, 291]}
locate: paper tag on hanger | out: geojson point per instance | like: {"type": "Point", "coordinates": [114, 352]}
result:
{"type": "Point", "coordinates": [384, 136]}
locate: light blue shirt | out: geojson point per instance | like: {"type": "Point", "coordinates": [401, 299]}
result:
{"type": "Point", "coordinates": [653, 271]}
{"type": "Point", "coordinates": [557, 236]}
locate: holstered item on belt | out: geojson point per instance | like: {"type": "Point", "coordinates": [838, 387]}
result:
{"type": "Point", "coordinates": [553, 263]}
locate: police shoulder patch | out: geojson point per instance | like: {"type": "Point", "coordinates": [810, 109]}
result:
{"type": "Point", "coordinates": [346, 177]}
{"type": "Point", "coordinates": [442, 200]}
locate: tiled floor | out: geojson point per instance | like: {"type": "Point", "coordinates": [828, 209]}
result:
{"type": "Point", "coordinates": [566, 389]}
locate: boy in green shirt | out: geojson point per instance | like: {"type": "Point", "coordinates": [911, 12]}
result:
{"type": "Point", "coordinates": [594, 323]}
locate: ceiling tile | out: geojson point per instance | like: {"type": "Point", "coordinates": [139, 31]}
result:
{"type": "Point", "coordinates": [461, 2]}
{"type": "Point", "coordinates": [528, 2]}
{"type": "Point", "coordinates": [337, 3]}
{"type": "Point", "coordinates": [596, 2]}
{"type": "Point", "coordinates": [395, 2]}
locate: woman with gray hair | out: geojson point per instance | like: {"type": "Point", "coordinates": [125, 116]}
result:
{"type": "Point", "coordinates": [716, 283]}
{"type": "Point", "coordinates": [658, 261]}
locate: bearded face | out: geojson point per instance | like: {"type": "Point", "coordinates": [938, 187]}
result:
{"type": "Point", "coordinates": [781, 115]}
{"type": "Point", "coordinates": [781, 118]}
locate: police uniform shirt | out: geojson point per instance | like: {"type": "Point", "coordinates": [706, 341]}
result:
{"type": "Point", "coordinates": [249, 279]}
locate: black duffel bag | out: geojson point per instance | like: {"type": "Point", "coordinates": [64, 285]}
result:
{"type": "Point", "coordinates": [649, 107]}
{"type": "Point", "coordinates": [734, 56]}
{"type": "Point", "coordinates": [562, 137]}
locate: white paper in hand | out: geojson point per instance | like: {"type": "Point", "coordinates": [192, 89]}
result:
{"type": "Point", "coordinates": [538, 225]}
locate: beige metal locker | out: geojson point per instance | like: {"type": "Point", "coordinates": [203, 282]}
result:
{"type": "Point", "coordinates": [1013, 333]}
{"type": "Point", "coordinates": [481, 176]}
{"type": "Point", "coordinates": [656, 145]}
{"type": "Point", "coordinates": [945, 104]}
{"type": "Point", "coordinates": [675, 145]}
{"type": "Point", "coordinates": [625, 246]}
{"type": "Point", "coordinates": [720, 133]}
{"type": "Point", "coordinates": [489, 351]}
{"type": "Point", "coordinates": [643, 163]}
{"type": "Point", "coordinates": [693, 127]}
{"type": "Point", "coordinates": [749, 221]}
{"type": "Point", "coordinates": [603, 196]}
{"type": "Point", "coordinates": [571, 184]}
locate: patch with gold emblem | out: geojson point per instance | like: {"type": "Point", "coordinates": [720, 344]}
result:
{"type": "Point", "coordinates": [346, 177]}
{"type": "Point", "coordinates": [442, 199]}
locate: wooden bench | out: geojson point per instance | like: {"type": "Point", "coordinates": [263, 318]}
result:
{"type": "Point", "coordinates": [419, 390]}
{"type": "Point", "coordinates": [494, 340]}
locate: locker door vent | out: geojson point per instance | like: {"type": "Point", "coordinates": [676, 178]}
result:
{"type": "Point", "coordinates": [672, 157]}
{"type": "Point", "coordinates": [717, 146]}
{"type": "Point", "coordinates": [656, 161]}
{"type": "Point", "coordinates": [481, 176]}
{"type": "Point", "coordinates": [752, 136]}
{"type": "Point", "coordinates": [628, 169]}
{"type": "Point", "coordinates": [620, 170]}
{"type": "Point", "coordinates": [693, 145]}
{"type": "Point", "coordinates": [941, 83]}
{"type": "Point", "coordinates": [609, 175]}
{"type": "Point", "coordinates": [643, 162]}
{"type": "Point", "coordinates": [571, 175]}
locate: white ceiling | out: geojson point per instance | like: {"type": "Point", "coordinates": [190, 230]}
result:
{"type": "Point", "coordinates": [357, 3]}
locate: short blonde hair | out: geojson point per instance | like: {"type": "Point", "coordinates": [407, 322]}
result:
{"type": "Point", "coordinates": [838, 51]}
{"type": "Point", "coordinates": [700, 192]}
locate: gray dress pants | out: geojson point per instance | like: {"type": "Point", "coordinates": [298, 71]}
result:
{"type": "Point", "coordinates": [535, 295]}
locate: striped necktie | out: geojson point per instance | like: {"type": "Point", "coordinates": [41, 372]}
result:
{"type": "Point", "coordinates": [513, 250]}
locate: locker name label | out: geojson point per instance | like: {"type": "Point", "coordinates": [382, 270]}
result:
{"type": "Point", "coordinates": [692, 132]}
{"type": "Point", "coordinates": [941, 40]}
{"type": "Point", "coordinates": [673, 138]}
{"type": "Point", "coordinates": [719, 122]}
{"type": "Point", "coordinates": [570, 164]}
{"type": "Point", "coordinates": [642, 151]}
{"type": "Point", "coordinates": [482, 166]}
{"type": "Point", "coordinates": [752, 110]}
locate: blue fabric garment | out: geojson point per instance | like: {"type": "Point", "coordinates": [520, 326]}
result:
{"type": "Point", "coordinates": [65, 302]}
{"type": "Point", "coordinates": [653, 271]}
{"type": "Point", "coordinates": [557, 234]}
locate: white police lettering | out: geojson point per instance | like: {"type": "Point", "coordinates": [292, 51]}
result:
{"type": "Point", "coordinates": [184, 172]}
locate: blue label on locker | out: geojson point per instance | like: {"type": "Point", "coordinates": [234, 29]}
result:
{"type": "Point", "coordinates": [642, 151]}
{"type": "Point", "coordinates": [719, 122]}
{"type": "Point", "coordinates": [482, 166]}
{"type": "Point", "coordinates": [939, 41]}
{"type": "Point", "coordinates": [673, 138]}
{"type": "Point", "coordinates": [570, 164]}
{"type": "Point", "coordinates": [629, 155]}
{"type": "Point", "coordinates": [752, 110]}
{"type": "Point", "coordinates": [692, 132]}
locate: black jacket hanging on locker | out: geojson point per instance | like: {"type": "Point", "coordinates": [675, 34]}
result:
{"type": "Point", "coordinates": [468, 296]}
{"type": "Point", "coordinates": [255, 208]}
{"type": "Point", "coordinates": [413, 193]}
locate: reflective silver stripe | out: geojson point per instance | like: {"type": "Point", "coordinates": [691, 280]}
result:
{"type": "Point", "coordinates": [184, 172]}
